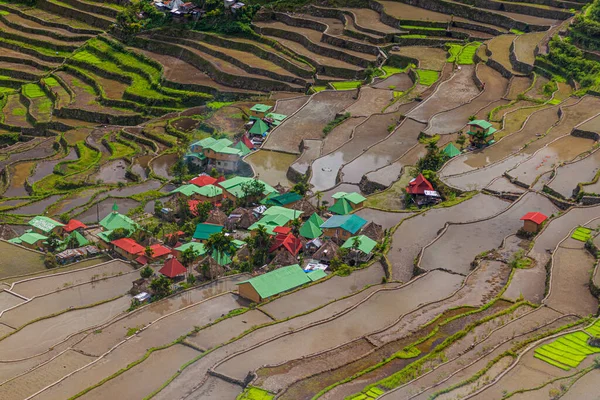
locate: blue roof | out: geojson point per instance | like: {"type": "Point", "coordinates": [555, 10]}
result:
{"type": "Point", "coordinates": [351, 223]}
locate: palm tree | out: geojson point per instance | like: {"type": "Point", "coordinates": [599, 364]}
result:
{"type": "Point", "coordinates": [296, 223]}
{"type": "Point", "coordinates": [260, 244]}
{"type": "Point", "coordinates": [219, 243]}
{"type": "Point", "coordinates": [319, 196]}
{"type": "Point", "coordinates": [187, 258]}
{"type": "Point", "coordinates": [355, 246]}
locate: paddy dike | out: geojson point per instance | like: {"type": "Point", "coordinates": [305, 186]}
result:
{"type": "Point", "coordinates": [568, 176]}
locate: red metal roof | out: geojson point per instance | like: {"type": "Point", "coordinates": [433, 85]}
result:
{"type": "Point", "coordinates": [142, 260]}
{"type": "Point", "coordinates": [536, 217]}
{"type": "Point", "coordinates": [172, 268]}
{"type": "Point", "coordinates": [282, 229]}
{"type": "Point", "coordinates": [419, 185]}
{"type": "Point", "coordinates": [203, 180]}
{"type": "Point", "coordinates": [247, 142]}
{"type": "Point", "coordinates": [290, 242]}
{"type": "Point", "coordinates": [129, 245]}
{"type": "Point", "coordinates": [158, 250]}
{"type": "Point", "coordinates": [177, 234]}
{"type": "Point", "coordinates": [74, 224]}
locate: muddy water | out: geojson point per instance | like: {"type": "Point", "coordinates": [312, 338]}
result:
{"type": "Point", "coordinates": [504, 185]}
{"type": "Point", "coordinates": [562, 150]}
{"type": "Point", "coordinates": [28, 341]}
{"type": "Point", "coordinates": [35, 208]}
{"type": "Point", "coordinates": [387, 175]}
{"type": "Point", "coordinates": [388, 305]}
{"type": "Point", "coordinates": [45, 168]}
{"type": "Point", "coordinates": [478, 179]}
{"type": "Point", "coordinates": [18, 176]}
{"type": "Point", "coordinates": [104, 207]}
{"type": "Point", "coordinates": [340, 134]}
{"type": "Point", "coordinates": [414, 233]}
{"type": "Point", "coordinates": [271, 166]}
{"type": "Point", "coordinates": [569, 175]}
{"type": "Point", "coordinates": [133, 189]}
{"type": "Point", "coordinates": [140, 165]}
{"type": "Point", "coordinates": [312, 151]}
{"type": "Point", "coordinates": [216, 388]}
{"type": "Point", "coordinates": [584, 386]}
{"type": "Point", "coordinates": [112, 172]}
{"type": "Point", "coordinates": [459, 244]}
{"type": "Point", "coordinates": [75, 200]}
{"type": "Point", "coordinates": [44, 149]}
{"type": "Point", "coordinates": [36, 287]}
{"type": "Point", "coordinates": [381, 154]}
{"type": "Point", "coordinates": [162, 165]}
{"type": "Point", "coordinates": [375, 128]}
{"type": "Point", "coordinates": [8, 300]}
{"type": "Point", "coordinates": [370, 101]}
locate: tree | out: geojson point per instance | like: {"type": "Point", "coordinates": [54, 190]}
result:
{"type": "Point", "coordinates": [296, 223]}
{"type": "Point", "coordinates": [183, 208]}
{"type": "Point", "coordinates": [161, 286]}
{"type": "Point", "coordinates": [214, 173]}
{"type": "Point", "coordinates": [203, 210]}
{"type": "Point", "coordinates": [259, 245]}
{"type": "Point", "coordinates": [180, 169]}
{"type": "Point", "coordinates": [158, 206]}
{"type": "Point", "coordinates": [319, 196]}
{"type": "Point", "coordinates": [119, 233]}
{"type": "Point", "coordinates": [219, 243]}
{"type": "Point", "coordinates": [50, 261]}
{"type": "Point", "coordinates": [301, 187]}
{"type": "Point", "coordinates": [146, 272]}
{"type": "Point", "coordinates": [188, 256]}
{"type": "Point", "coordinates": [53, 242]}
{"type": "Point", "coordinates": [148, 252]}
{"type": "Point", "coordinates": [356, 242]}
{"type": "Point", "coordinates": [191, 279]}
{"type": "Point", "coordinates": [433, 160]}
{"type": "Point", "coordinates": [252, 190]}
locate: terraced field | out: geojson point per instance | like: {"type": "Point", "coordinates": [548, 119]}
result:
{"type": "Point", "coordinates": [458, 301]}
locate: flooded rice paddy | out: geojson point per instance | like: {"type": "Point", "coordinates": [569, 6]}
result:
{"type": "Point", "coordinates": [272, 166]}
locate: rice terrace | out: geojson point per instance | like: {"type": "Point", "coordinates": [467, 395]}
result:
{"type": "Point", "coordinates": [299, 199]}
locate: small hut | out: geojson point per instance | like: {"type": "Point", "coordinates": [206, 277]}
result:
{"type": "Point", "coordinates": [373, 231]}
{"type": "Point", "coordinates": [210, 269]}
{"type": "Point", "coordinates": [280, 188]}
{"type": "Point", "coordinates": [217, 217]}
{"type": "Point", "coordinates": [326, 253]}
{"type": "Point", "coordinates": [306, 207]}
{"type": "Point", "coordinates": [282, 258]}
{"type": "Point", "coordinates": [7, 233]}
{"type": "Point", "coordinates": [240, 218]}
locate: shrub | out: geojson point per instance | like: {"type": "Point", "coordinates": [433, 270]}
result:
{"type": "Point", "coordinates": [332, 124]}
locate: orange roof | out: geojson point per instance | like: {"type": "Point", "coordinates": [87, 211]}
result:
{"type": "Point", "coordinates": [158, 250]}
{"type": "Point", "coordinates": [536, 217]}
{"type": "Point", "coordinates": [203, 180]}
{"type": "Point", "coordinates": [282, 229]}
{"type": "Point", "coordinates": [129, 245]}
{"type": "Point", "coordinates": [172, 268]}
{"type": "Point", "coordinates": [74, 224]}
{"type": "Point", "coordinates": [290, 242]}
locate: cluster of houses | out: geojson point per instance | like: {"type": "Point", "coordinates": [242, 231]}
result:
{"type": "Point", "coordinates": [225, 155]}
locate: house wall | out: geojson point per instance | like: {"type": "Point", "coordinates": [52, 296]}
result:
{"type": "Point", "coordinates": [34, 246]}
{"type": "Point", "coordinates": [124, 254]}
{"type": "Point", "coordinates": [530, 226]}
{"type": "Point", "coordinates": [228, 195]}
{"type": "Point", "coordinates": [247, 291]}
{"type": "Point", "coordinates": [356, 206]}
{"type": "Point", "coordinates": [213, 200]}
{"type": "Point", "coordinates": [337, 232]}
{"type": "Point", "coordinates": [227, 165]}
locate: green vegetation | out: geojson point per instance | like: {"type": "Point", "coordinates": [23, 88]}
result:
{"type": "Point", "coordinates": [347, 85]}
{"type": "Point", "coordinates": [413, 36]}
{"type": "Point", "coordinates": [427, 77]}
{"type": "Point", "coordinates": [317, 89]}
{"type": "Point", "coordinates": [462, 55]}
{"type": "Point", "coordinates": [568, 61]}
{"type": "Point", "coordinates": [33, 91]}
{"type": "Point", "coordinates": [566, 352]}
{"type": "Point", "coordinates": [215, 105]}
{"type": "Point", "coordinates": [585, 29]}
{"type": "Point", "coordinates": [51, 82]}
{"type": "Point", "coordinates": [255, 393]}
{"type": "Point", "coordinates": [388, 70]}
{"type": "Point", "coordinates": [516, 31]}
{"type": "Point", "coordinates": [332, 124]}
{"type": "Point", "coordinates": [453, 50]}
{"type": "Point", "coordinates": [423, 28]}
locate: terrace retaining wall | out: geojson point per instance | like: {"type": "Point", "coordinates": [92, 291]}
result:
{"type": "Point", "coordinates": [518, 8]}
{"type": "Point", "coordinates": [590, 200]}
{"type": "Point", "coordinates": [499, 67]}
{"type": "Point", "coordinates": [98, 117]}
{"type": "Point", "coordinates": [40, 21]}
{"type": "Point", "coordinates": [518, 65]}
{"type": "Point", "coordinates": [94, 20]}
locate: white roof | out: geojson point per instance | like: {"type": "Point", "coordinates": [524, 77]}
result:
{"type": "Point", "coordinates": [431, 193]}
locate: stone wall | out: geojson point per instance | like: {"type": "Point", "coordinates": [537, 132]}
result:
{"type": "Point", "coordinates": [98, 117]}
{"type": "Point", "coordinates": [590, 200]}
{"type": "Point", "coordinates": [44, 22]}
{"type": "Point", "coordinates": [518, 8]}
{"type": "Point", "coordinates": [429, 42]}
{"type": "Point", "coordinates": [75, 13]}
{"type": "Point", "coordinates": [499, 67]}
{"type": "Point", "coordinates": [369, 187]}
{"type": "Point", "coordinates": [518, 65]}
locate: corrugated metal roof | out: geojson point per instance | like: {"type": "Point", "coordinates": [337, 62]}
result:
{"type": "Point", "coordinates": [366, 244]}
{"type": "Point", "coordinates": [278, 281]}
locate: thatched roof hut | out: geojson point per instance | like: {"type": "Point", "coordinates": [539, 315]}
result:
{"type": "Point", "coordinates": [283, 258]}
{"type": "Point", "coordinates": [7, 233]}
{"type": "Point", "coordinates": [240, 218]}
{"type": "Point", "coordinates": [280, 188]}
{"type": "Point", "coordinates": [243, 254]}
{"type": "Point", "coordinates": [209, 268]}
{"type": "Point", "coordinates": [373, 231]}
{"type": "Point", "coordinates": [216, 217]}
{"type": "Point", "coordinates": [326, 252]}
{"type": "Point", "coordinates": [306, 207]}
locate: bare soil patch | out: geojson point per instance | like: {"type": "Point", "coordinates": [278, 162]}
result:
{"type": "Point", "coordinates": [429, 57]}
{"type": "Point", "coordinates": [291, 105]}
{"type": "Point", "coordinates": [18, 260]}
{"type": "Point", "coordinates": [499, 46]}
{"type": "Point", "coordinates": [525, 46]}
{"type": "Point", "coordinates": [401, 82]}
{"type": "Point", "coordinates": [518, 85]}
{"type": "Point", "coordinates": [8, 300]}
{"type": "Point", "coordinates": [340, 134]}
{"type": "Point", "coordinates": [370, 101]}
{"type": "Point", "coordinates": [371, 19]}
{"type": "Point", "coordinates": [569, 175]}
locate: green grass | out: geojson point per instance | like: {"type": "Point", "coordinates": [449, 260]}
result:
{"type": "Point", "coordinates": [120, 150]}
{"type": "Point", "coordinates": [87, 158]}
{"type": "Point", "coordinates": [51, 82]}
{"type": "Point", "coordinates": [594, 329]}
{"type": "Point", "coordinates": [2, 12]}
{"type": "Point", "coordinates": [388, 70]}
{"type": "Point", "coordinates": [347, 85]}
{"type": "Point", "coordinates": [33, 91]}
{"type": "Point", "coordinates": [44, 106]}
{"type": "Point", "coordinates": [424, 28]}
{"type": "Point", "coordinates": [255, 393]}
{"type": "Point", "coordinates": [19, 112]}
{"type": "Point", "coordinates": [318, 89]}
{"type": "Point", "coordinates": [427, 77]}
{"type": "Point", "coordinates": [567, 351]}
{"type": "Point", "coordinates": [468, 52]}
{"type": "Point", "coordinates": [454, 50]}
{"type": "Point", "coordinates": [215, 105]}
{"type": "Point", "coordinates": [77, 83]}
{"type": "Point", "coordinates": [413, 36]}
{"type": "Point", "coordinates": [516, 31]}
{"type": "Point", "coordinates": [39, 49]}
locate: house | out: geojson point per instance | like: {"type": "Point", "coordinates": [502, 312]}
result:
{"type": "Point", "coordinates": [240, 218]}
{"type": "Point", "coordinates": [326, 252]}
{"type": "Point", "coordinates": [286, 242]}
{"type": "Point", "coordinates": [532, 221]}
{"type": "Point", "coordinates": [74, 255]}
{"type": "Point", "coordinates": [275, 119]}
{"type": "Point", "coordinates": [373, 231]}
{"type": "Point", "coordinates": [346, 202]}
{"type": "Point", "coordinates": [243, 147]}
{"type": "Point", "coordinates": [74, 237]}
{"type": "Point", "coordinates": [311, 229]}
{"type": "Point", "coordinates": [450, 150]}
{"type": "Point", "coordinates": [287, 200]}
{"type": "Point", "coordinates": [217, 152]}
{"type": "Point", "coordinates": [31, 240]}
{"type": "Point", "coordinates": [273, 283]}
{"type": "Point", "coordinates": [233, 188]}
{"type": "Point", "coordinates": [7, 233]}
{"type": "Point", "coordinates": [74, 225]}
{"type": "Point", "coordinates": [306, 207]}
{"type": "Point", "coordinates": [282, 229]}
{"type": "Point", "coordinates": [258, 130]}
{"type": "Point", "coordinates": [270, 223]}
{"type": "Point", "coordinates": [216, 217]}
{"type": "Point", "coordinates": [259, 110]}
{"type": "Point", "coordinates": [287, 212]}
{"type": "Point", "coordinates": [364, 246]}
{"type": "Point", "coordinates": [342, 227]}
{"type": "Point", "coordinates": [203, 231]}
{"type": "Point", "coordinates": [172, 268]}
{"type": "Point", "coordinates": [282, 258]}
{"type": "Point", "coordinates": [211, 193]}
{"type": "Point", "coordinates": [210, 269]}
{"type": "Point", "coordinates": [481, 132]}
{"type": "Point", "coordinates": [195, 246]}
{"type": "Point", "coordinates": [188, 191]}
{"type": "Point", "coordinates": [203, 180]}
{"type": "Point", "coordinates": [46, 226]}
{"type": "Point", "coordinates": [127, 248]}
{"type": "Point", "coordinates": [114, 220]}
{"type": "Point", "coordinates": [159, 253]}
{"type": "Point", "coordinates": [422, 191]}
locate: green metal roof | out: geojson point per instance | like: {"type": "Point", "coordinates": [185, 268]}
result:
{"type": "Point", "coordinates": [199, 156]}
{"type": "Point", "coordinates": [481, 123]}
{"type": "Point", "coordinates": [341, 207]}
{"type": "Point", "coordinates": [221, 258]}
{"type": "Point", "coordinates": [259, 127]}
{"type": "Point", "coordinates": [197, 246]}
{"type": "Point", "coordinates": [81, 240]}
{"type": "Point", "coordinates": [260, 108]}
{"type": "Point", "coordinates": [114, 220]}
{"type": "Point", "coordinates": [29, 238]}
{"type": "Point", "coordinates": [353, 197]}
{"type": "Point", "coordinates": [284, 199]}
{"type": "Point", "coordinates": [310, 230]}
{"type": "Point", "coordinates": [288, 212]}
{"type": "Point", "coordinates": [187, 190]}
{"type": "Point", "coordinates": [451, 151]}
{"type": "Point", "coordinates": [366, 243]}
{"type": "Point", "coordinates": [203, 231]}
{"type": "Point", "coordinates": [270, 221]}
{"type": "Point", "coordinates": [316, 219]}
{"type": "Point", "coordinates": [244, 150]}
{"type": "Point", "coordinates": [44, 224]}
{"type": "Point", "coordinates": [234, 186]}
{"type": "Point", "coordinates": [278, 281]}
{"type": "Point", "coordinates": [209, 190]}
{"type": "Point", "coordinates": [316, 275]}
{"type": "Point", "coordinates": [351, 223]}
{"type": "Point", "coordinates": [277, 118]}
{"type": "Point", "coordinates": [104, 235]}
